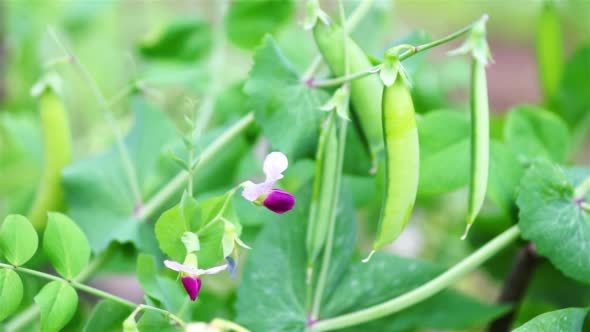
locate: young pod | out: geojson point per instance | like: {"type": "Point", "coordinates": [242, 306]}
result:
{"type": "Point", "coordinates": [402, 159]}
{"type": "Point", "coordinates": [323, 189]}
{"type": "Point", "coordinates": [365, 93]}
{"type": "Point", "coordinates": [549, 48]}
{"type": "Point", "coordinates": [480, 141]}
{"type": "Point", "coordinates": [57, 153]}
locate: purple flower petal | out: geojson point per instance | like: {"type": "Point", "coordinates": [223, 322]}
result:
{"type": "Point", "coordinates": [231, 266]}
{"type": "Point", "coordinates": [279, 201]}
{"type": "Point", "coordinates": [192, 285]}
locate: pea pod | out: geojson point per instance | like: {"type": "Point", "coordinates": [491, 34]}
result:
{"type": "Point", "coordinates": [57, 152]}
{"type": "Point", "coordinates": [365, 93]}
{"type": "Point", "coordinates": [323, 189]}
{"type": "Point", "coordinates": [549, 49]}
{"type": "Point", "coordinates": [402, 159]}
{"type": "Point", "coordinates": [480, 141]}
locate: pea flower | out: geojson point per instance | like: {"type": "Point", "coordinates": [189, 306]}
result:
{"type": "Point", "coordinates": [190, 276]}
{"type": "Point", "coordinates": [276, 200]}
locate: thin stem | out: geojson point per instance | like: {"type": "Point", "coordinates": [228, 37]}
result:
{"type": "Point", "coordinates": [425, 291]}
{"type": "Point", "coordinates": [208, 154]}
{"type": "Point", "coordinates": [515, 286]}
{"type": "Point", "coordinates": [32, 312]}
{"type": "Point", "coordinates": [219, 215]}
{"type": "Point", "coordinates": [87, 78]}
{"type": "Point", "coordinates": [417, 49]}
{"type": "Point", "coordinates": [91, 290]}
{"type": "Point", "coordinates": [344, 79]}
{"type": "Point", "coordinates": [312, 68]}
{"type": "Point", "coordinates": [357, 15]}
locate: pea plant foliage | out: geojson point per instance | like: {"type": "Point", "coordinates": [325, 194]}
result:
{"type": "Point", "coordinates": [284, 199]}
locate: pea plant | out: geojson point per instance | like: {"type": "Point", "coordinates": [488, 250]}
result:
{"type": "Point", "coordinates": [280, 201]}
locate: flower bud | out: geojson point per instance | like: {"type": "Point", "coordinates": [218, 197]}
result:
{"type": "Point", "coordinates": [192, 285]}
{"type": "Point", "coordinates": [279, 201]}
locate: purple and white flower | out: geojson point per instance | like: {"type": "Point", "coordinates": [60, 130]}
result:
{"type": "Point", "coordinates": [190, 276]}
{"type": "Point", "coordinates": [276, 200]}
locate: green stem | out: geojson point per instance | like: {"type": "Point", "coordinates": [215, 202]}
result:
{"type": "Point", "coordinates": [91, 290]}
{"type": "Point", "coordinates": [425, 291]}
{"type": "Point", "coordinates": [417, 49]}
{"type": "Point", "coordinates": [208, 154]}
{"type": "Point", "coordinates": [102, 101]}
{"type": "Point", "coordinates": [32, 312]}
{"type": "Point", "coordinates": [344, 79]}
{"type": "Point", "coordinates": [357, 15]}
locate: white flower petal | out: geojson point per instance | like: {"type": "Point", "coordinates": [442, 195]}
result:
{"type": "Point", "coordinates": [213, 270]}
{"type": "Point", "coordinates": [253, 190]}
{"type": "Point", "coordinates": [274, 166]}
{"type": "Point", "coordinates": [180, 267]}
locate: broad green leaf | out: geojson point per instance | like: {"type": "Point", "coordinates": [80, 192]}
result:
{"type": "Point", "coordinates": [158, 288]}
{"type": "Point", "coordinates": [285, 108]}
{"type": "Point", "coordinates": [183, 39]}
{"type": "Point", "coordinates": [444, 152]}
{"type": "Point", "coordinates": [505, 174]}
{"type": "Point", "coordinates": [107, 316]}
{"type": "Point", "coordinates": [551, 219]}
{"type": "Point", "coordinates": [205, 220]}
{"type": "Point", "coordinates": [573, 99]}
{"type": "Point", "coordinates": [532, 132]}
{"type": "Point", "coordinates": [247, 21]}
{"type": "Point", "coordinates": [385, 277]}
{"type": "Point", "coordinates": [18, 239]}
{"type": "Point", "coordinates": [65, 245]}
{"type": "Point", "coordinates": [276, 272]}
{"type": "Point", "coordinates": [566, 320]}
{"type": "Point", "coordinates": [11, 292]}
{"type": "Point", "coordinates": [57, 302]}
{"type": "Point", "coordinates": [98, 192]}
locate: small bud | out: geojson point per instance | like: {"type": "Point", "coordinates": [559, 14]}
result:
{"type": "Point", "coordinates": [279, 201]}
{"type": "Point", "coordinates": [192, 286]}
{"type": "Point", "coordinates": [129, 325]}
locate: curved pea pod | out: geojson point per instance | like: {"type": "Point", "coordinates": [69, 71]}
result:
{"type": "Point", "coordinates": [402, 161]}
{"type": "Point", "coordinates": [57, 153]}
{"type": "Point", "coordinates": [480, 142]}
{"type": "Point", "coordinates": [365, 93]}
{"type": "Point", "coordinates": [549, 48]}
{"type": "Point", "coordinates": [323, 189]}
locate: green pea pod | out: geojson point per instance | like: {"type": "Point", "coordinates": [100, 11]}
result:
{"type": "Point", "coordinates": [57, 154]}
{"type": "Point", "coordinates": [549, 50]}
{"type": "Point", "coordinates": [402, 159]}
{"type": "Point", "coordinates": [323, 189]}
{"type": "Point", "coordinates": [365, 93]}
{"type": "Point", "coordinates": [480, 141]}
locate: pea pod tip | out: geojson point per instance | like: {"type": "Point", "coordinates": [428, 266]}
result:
{"type": "Point", "coordinates": [368, 258]}
{"type": "Point", "coordinates": [464, 236]}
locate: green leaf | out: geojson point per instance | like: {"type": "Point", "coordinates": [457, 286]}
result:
{"type": "Point", "coordinates": [204, 220]}
{"type": "Point", "coordinates": [566, 320]}
{"type": "Point", "coordinates": [18, 239]}
{"type": "Point", "coordinates": [184, 39]}
{"type": "Point", "coordinates": [385, 277]}
{"type": "Point", "coordinates": [11, 292]}
{"type": "Point", "coordinates": [98, 192]}
{"type": "Point", "coordinates": [107, 316]}
{"type": "Point", "coordinates": [505, 174]}
{"type": "Point", "coordinates": [444, 152]}
{"type": "Point", "coordinates": [532, 132]}
{"type": "Point", "coordinates": [551, 219]}
{"type": "Point", "coordinates": [276, 272]}
{"type": "Point", "coordinates": [65, 245]}
{"type": "Point", "coordinates": [573, 100]}
{"type": "Point", "coordinates": [248, 21]}
{"type": "Point", "coordinates": [285, 108]}
{"type": "Point", "coordinates": [57, 302]}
